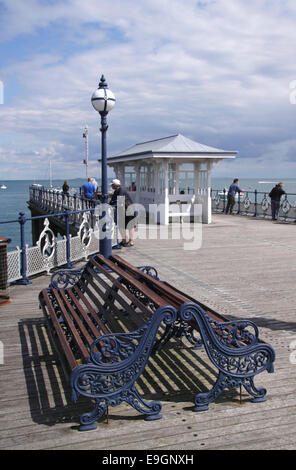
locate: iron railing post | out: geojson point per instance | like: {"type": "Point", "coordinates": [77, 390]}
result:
{"type": "Point", "coordinates": [68, 241]}
{"type": "Point", "coordinates": [255, 203]}
{"type": "Point", "coordinates": [24, 280]}
{"type": "Point", "coordinates": [238, 204]}
{"type": "Point", "coordinates": [75, 208]}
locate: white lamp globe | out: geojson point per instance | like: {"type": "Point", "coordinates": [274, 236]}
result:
{"type": "Point", "coordinates": [103, 100]}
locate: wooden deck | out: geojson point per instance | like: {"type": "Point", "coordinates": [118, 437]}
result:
{"type": "Point", "coordinates": [245, 269]}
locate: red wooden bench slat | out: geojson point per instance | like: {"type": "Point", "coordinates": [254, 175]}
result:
{"type": "Point", "coordinates": [142, 288]}
{"type": "Point", "coordinates": [71, 326]}
{"type": "Point", "coordinates": [90, 309]}
{"type": "Point", "coordinates": [64, 344]}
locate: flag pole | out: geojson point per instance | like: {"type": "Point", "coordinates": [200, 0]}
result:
{"type": "Point", "coordinates": [85, 135]}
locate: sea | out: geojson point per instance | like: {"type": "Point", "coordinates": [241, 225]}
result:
{"type": "Point", "coordinates": [13, 199]}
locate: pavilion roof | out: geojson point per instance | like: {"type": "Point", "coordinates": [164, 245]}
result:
{"type": "Point", "coordinates": [173, 146]}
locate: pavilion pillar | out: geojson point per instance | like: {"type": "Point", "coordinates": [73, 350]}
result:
{"type": "Point", "coordinates": [164, 213]}
{"type": "Point", "coordinates": [121, 174]}
{"type": "Point", "coordinates": [207, 203]}
{"type": "Point", "coordinates": [138, 180]}
{"type": "Point", "coordinates": [156, 179]}
{"type": "Point", "coordinates": [177, 178]}
{"type": "Point", "coordinates": [196, 180]}
{"type": "Point", "coordinates": [166, 193]}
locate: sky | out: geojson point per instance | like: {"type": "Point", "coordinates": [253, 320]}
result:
{"type": "Point", "coordinates": [220, 72]}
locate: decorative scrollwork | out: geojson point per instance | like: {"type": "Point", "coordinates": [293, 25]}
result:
{"type": "Point", "coordinates": [178, 330]}
{"type": "Point", "coordinates": [115, 348]}
{"type": "Point", "coordinates": [202, 400]}
{"type": "Point", "coordinates": [247, 202]}
{"type": "Point", "coordinates": [235, 333]}
{"type": "Point", "coordinates": [150, 270]}
{"type": "Point", "coordinates": [144, 299]}
{"type": "Point", "coordinates": [286, 206]}
{"type": "Point", "coordinates": [238, 354]}
{"type": "Point", "coordinates": [85, 231]}
{"type": "Point", "coordinates": [116, 361]}
{"type": "Point", "coordinates": [265, 203]}
{"type": "Point", "coordinates": [217, 199]}
{"type": "Point", "coordinates": [230, 345]}
{"type": "Point", "coordinates": [65, 278]}
{"type": "Point", "coordinates": [47, 241]}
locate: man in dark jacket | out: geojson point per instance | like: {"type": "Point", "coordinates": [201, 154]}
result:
{"type": "Point", "coordinates": [275, 195]}
{"type": "Point", "coordinates": [121, 196]}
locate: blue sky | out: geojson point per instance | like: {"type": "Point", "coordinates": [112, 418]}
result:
{"type": "Point", "coordinates": [217, 72]}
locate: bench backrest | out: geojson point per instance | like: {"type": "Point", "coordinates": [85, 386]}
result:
{"type": "Point", "coordinates": [168, 292]}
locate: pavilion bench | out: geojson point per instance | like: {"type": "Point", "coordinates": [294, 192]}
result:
{"type": "Point", "coordinates": [109, 317]}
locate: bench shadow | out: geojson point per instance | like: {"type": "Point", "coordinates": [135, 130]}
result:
{"type": "Point", "coordinates": [174, 375]}
{"type": "Point", "coordinates": [47, 386]}
{"type": "Point", "coordinates": [270, 323]}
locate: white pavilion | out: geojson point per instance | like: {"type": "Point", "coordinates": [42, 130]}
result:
{"type": "Point", "coordinates": [169, 172]}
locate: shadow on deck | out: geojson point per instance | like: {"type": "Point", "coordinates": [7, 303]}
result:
{"type": "Point", "coordinates": [174, 375]}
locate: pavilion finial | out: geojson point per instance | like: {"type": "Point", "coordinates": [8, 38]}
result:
{"type": "Point", "coordinates": [103, 83]}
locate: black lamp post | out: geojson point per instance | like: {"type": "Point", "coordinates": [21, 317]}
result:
{"type": "Point", "coordinates": [103, 101]}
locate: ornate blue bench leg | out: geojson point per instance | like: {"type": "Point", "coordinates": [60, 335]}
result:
{"type": "Point", "coordinates": [237, 353]}
{"type": "Point", "coordinates": [202, 400]}
{"type": "Point", "coordinates": [116, 362]}
{"type": "Point", "coordinates": [87, 420]}
{"type": "Point", "coordinates": [151, 410]}
{"type": "Point", "coordinates": [257, 393]}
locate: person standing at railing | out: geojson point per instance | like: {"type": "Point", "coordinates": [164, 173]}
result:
{"type": "Point", "coordinates": [121, 199]}
{"type": "Point", "coordinates": [88, 189]}
{"type": "Point", "coordinates": [66, 187]}
{"type": "Point", "coordinates": [233, 189]}
{"type": "Point", "coordinates": [275, 195]}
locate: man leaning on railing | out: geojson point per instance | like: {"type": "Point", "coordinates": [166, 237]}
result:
{"type": "Point", "coordinates": [233, 189]}
{"type": "Point", "coordinates": [275, 195]}
{"type": "Point", "coordinates": [88, 189]}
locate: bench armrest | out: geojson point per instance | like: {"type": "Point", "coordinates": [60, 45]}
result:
{"type": "Point", "coordinates": [65, 278]}
{"type": "Point", "coordinates": [150, 270]}
{"type": "Point", "coordinates": [230, 345]}
{"type": "Point", "coordinates": [116, 360]}
{"type": "Point", "coordinates": [236, 333]}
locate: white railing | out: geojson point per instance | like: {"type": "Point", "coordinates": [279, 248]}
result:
{"type": "Point", "coordinates": [51, 252]}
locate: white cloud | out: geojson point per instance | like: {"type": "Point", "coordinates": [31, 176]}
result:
{"type": "Point", "coordinates": [217, 71]}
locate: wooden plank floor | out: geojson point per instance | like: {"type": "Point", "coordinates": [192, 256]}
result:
{"type": "Point", "coordinates": [245, 268]}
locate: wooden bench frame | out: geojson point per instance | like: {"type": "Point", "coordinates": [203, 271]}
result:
{"type": "Point", "coordinates": [104, 362]}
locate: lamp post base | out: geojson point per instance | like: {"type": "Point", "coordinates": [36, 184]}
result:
{"type": "Point", "coordinates": [106, 247]}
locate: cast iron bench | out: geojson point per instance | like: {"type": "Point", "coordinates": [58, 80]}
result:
{"type": "Point", "coordinates": [105, 321]}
